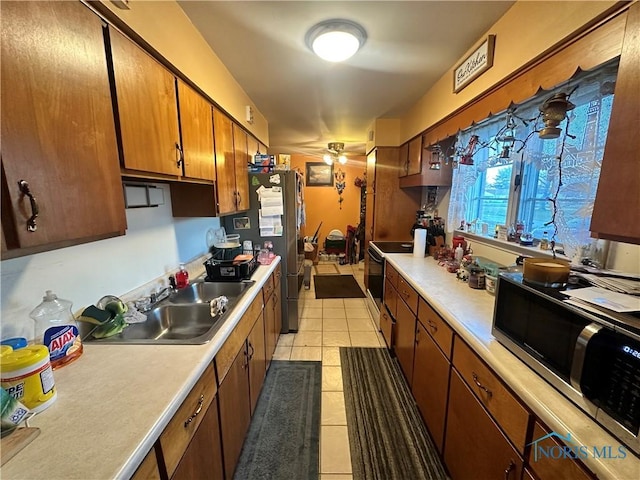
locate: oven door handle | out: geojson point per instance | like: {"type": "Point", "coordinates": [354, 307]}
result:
{"type": "Point", "coordinates": [580, 352]}
{"type": "Point", "coordinates": [374, 256]}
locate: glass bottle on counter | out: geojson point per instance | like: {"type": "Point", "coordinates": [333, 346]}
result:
{"type": "Point", "coordinates": [544, 241]}
{"type": "Point", "coordinates": [182, 277]}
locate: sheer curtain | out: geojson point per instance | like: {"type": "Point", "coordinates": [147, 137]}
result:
{"type": "Point", "coordinates": [581, 152]}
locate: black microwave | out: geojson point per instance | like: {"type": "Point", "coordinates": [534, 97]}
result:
{"type": "Point", "coordinates": [592, 359]}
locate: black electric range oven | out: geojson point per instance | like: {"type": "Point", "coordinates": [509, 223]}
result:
{"type": "Point", "coordinates": [374, 274]}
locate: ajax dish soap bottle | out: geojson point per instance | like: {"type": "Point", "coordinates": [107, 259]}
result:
{"type": "Point", "coordinates": [56, 328]}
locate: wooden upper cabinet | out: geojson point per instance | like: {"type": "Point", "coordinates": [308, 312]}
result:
{"type": "Point", "coordinates": [253, 147]}
{"type": "Point", "coordinates": [371, 173]}
{"type": "Point", "coordinates": [147, 109]}
{"type": "Point", "coordinates": [404, 160]}
{"type": "Point", "coordinates": [241, 157]}
{"type": "Point", "coordinates": [196, 126]}
{"type": "Point", "coordinates": [225, 166]}
{"type": "Point", "coordinates": [58, 130]}
{"type": "Point", "coordinates": [414, 163]}
{"type": "Point", "coordinates": [615, 211]}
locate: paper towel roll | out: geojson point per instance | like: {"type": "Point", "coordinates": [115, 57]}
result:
{"type": "Point", "coordinates": [419, 242]}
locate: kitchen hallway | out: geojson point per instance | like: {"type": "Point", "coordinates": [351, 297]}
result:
{"type": "Point", "coordinates": [327, 325]}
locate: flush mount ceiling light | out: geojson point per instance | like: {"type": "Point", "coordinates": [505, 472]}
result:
{"type": "Point", "coordinates": [335, 40]}
{"type": "Point", "coordinates": [335, 153]}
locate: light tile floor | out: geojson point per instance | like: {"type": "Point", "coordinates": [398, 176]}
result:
{"type": "Point", "coordinates": [325, 326]}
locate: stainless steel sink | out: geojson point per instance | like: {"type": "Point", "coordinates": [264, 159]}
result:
{"type": "Point", "coordinates": [204, 292]}
{"type": "Point", "coordinates": [183, 318]}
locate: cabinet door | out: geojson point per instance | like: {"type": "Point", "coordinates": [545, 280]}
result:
{"type": "Point", "coordinates": [241, 160]}
{"type": "Point", "coordinates": [386, 326]}
{"type": "Point", "coordinates": [203, 456]}
{"type": "Point", "coordinates": [405, 339]}
{"type": "Point", "coordinates": [148, 469]}
{"type": "Point", "coordinates": [57, 126]}
{"type": "Point", "coordinates": [474, 446]}
{"type": "Point", "coordinates": [404, 160]}
{"type": "Point", "coordinates": [196, 127]}
{"type": "Point", "coordinates": [235, 410]}
{"type": "Point", "coordinates": [390, 297]}
{"type": "Point", "coordinates": [277, 308]}
{"type": "Point", "coordinates": [615, 210]}
{"type": "Point", "coordinates": [257, 360]}
{"type": "Point", "coordinates": [371, 173]}
{"type": "Point", "coordinates": [147, 109]}
{"type": "Point", "coordinates": [269, 327]}
{"type": "Point", "coordinates": [253, 147]}
{"type": "Point", "coordinates": [430, 384]}
{"type": "Point", "coordinates": [414, 163]}
{"type": "Point", "coordinates": [225, 167]}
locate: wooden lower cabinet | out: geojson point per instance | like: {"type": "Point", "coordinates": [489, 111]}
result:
{"type": "Point", "coordinates": [405, 339]}
{"type": "Point", "coordinates": [203, 457]}
{"type": "Point", "coordinates": [273, 319]}
{"type": "Point", "coordinates": [546, 468]}
{"type": "Point", "coordinates": [475, 447]}
{"type": "Point", "coordinates": [257, 360]}
{"type": "Point", "coordinates": [386, 326]}
{"type": "Point", "coordinates": [235, 411]}
{"type": "Point", "coordinates": [430, 384]}
{"type": "Point", "coordinates": [148, 469]}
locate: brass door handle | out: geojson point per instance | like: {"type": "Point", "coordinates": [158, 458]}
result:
{"type": "Point", "coordinates": [480, 386]}
{"type": "Point", "coordinates": [196, 413]}
{"type": "Point", "coordinates": [24, 190]}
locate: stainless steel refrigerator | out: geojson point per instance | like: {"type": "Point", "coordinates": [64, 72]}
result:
{"type": "Point", "coordinates": [289, 245]}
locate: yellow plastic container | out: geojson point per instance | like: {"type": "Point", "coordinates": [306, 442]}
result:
{"type": "Point", "coordinates": [26, 374]}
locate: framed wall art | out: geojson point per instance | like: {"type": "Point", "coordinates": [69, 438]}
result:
{"type": "Point", "coordinates": [480, 60]}
{"type": "Point", "coordinates": [319, 174]}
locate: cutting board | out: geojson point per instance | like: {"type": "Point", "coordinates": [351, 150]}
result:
{"type": "Point", "coordinates": [16, 441]}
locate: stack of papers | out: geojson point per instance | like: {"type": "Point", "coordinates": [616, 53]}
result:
{"type": "Point", "coordinates": [618, 302]}
{"type": "Point", "coordinates": [620, 285]}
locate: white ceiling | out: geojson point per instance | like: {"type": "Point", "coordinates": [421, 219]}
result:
{"type": "Point", "coordinates": [309, 102]}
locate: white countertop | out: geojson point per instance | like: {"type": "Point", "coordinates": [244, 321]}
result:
{"type": "Point", "coordinates": [115, 401]}
{"type": "Point", "coordinates": [470, 313]}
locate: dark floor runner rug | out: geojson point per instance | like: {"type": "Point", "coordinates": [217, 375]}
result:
{"type": "Point", "coordinates": [283, 438]}
{"type": "Point", "coordinates": [337, 286]}
{"type": "Point", "coordinates": [387, 436]}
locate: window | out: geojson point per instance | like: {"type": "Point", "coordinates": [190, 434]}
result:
{"type": "Point", "coordinates": [503, 187]}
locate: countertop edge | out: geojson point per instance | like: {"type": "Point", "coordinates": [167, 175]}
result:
{"type": "Point", "coordinates": [134, 461]}
{"type": "Point", "coordinates": [531, 389]}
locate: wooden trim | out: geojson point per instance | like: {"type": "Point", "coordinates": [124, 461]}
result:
{"type": "Point", "coordinates": [594, 44]}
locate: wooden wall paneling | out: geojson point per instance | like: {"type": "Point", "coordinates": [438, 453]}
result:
{"type": "Point", "coordinates": [588, 50]}
{"type": "Point", "coordinates": [394, 208]}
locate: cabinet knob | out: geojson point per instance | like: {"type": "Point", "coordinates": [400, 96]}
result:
{"type": "Point", "coordinates": [196, 413]}
{"type": "Point", "coordinates": [24, 190]}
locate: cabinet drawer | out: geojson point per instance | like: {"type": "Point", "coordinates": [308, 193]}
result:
{"type": "Point", "coordinates": [267, 288]}
{"type": "Point", "coordinates": [408, 294]}
{"type": "Point", "coordinates": [176, 437]}
{"type": "Point", "coordinates": [508, 412]}
{"type": "Point", "coordinates": [390, 297]}
{"type": "Point", "coordinates": [436, 326]}
{"type": "Point", "coordinates": [226, 354]}
{"type": "Point", "coordinates": [550, 468]}
{"type": "Point", "coordinates": [391, 274]}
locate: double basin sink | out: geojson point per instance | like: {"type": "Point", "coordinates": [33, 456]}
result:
{"type": "Point", "coordinates": [182, 318]}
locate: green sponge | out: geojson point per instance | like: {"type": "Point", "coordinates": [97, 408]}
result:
{"type": "Point", "coordinates": [93, 314]}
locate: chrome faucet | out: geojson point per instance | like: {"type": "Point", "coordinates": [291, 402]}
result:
{"type": "Point", "coordinates": [147, 303]}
